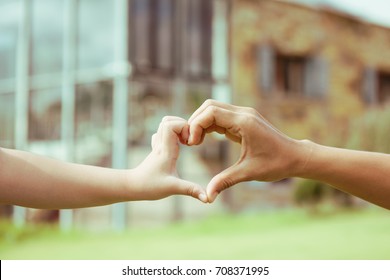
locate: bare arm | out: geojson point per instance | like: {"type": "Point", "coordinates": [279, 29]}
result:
{"type": "Point", "coordinates": [363, 174]}
{"type": "Point", "coordinates": [267, 155]}
{"type": "Point", "coordinates": [35, 181]}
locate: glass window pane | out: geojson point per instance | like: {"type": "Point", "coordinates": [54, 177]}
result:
{"type": "Point", "coordinates": [149, 103]}
{"type": "Point", "coordinates": [45, 115]}
{"type": "Point", "coordinates": [7, 120]}
{"type": "Point", "coordinates": [9, 15]}
{"type": "Point", "coordinates": [198, 43]}
{"type": "Point", "coordinates": [94, 123]}
{"type": "Point", "coordinates": [95, 33]}
{"type": "Point", "coordinates": [194, 37]}
{"type": "Point", "coordinates": [165, 34]}
{"type": "Point", "coordinates": [141, 10]}
{"type": "Point", "coordinates": [47, 36]}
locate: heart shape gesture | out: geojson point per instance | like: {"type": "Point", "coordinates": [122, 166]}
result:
{"type": "Point", "coordinates": [266, 153]}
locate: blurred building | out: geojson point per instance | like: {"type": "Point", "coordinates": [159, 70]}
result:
{"type": "Point", "coordinates": [309, 69]}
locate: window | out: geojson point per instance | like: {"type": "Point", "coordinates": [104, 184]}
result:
{"type": "Point", "coordinates": [7, 120]}
{"type": "Point", "coordinates": [292, 75]}
{"type": "Point", "coordinates": [154, 34]}
{"type": "Point", "coordinates": [152, 29]}
{"type": "Point", "coordinates": [165, 16]}
{"type": "Point", "coordinates": [316, 77]}
{"type": "Point", "coordinates": [383, 87]}
{"type": "Point", "coordinates": [376, 86]}
{"type": "Point", "coordinates": [266, 68]}
{"type": "Point", "coordinates": [95, 33]}
{"type": "Point", "coordinates": [47, 34]}
{"type": "Point", "coordinates": [94, 123]}
{"type": "Point", "coordinates": [198, 39]}
{"type": "Point", "coordinates": [7, 53]}
{"type": "Point", "coordinates": [45, 115]}
{"type": "Point", "coordinates": [9, 16]}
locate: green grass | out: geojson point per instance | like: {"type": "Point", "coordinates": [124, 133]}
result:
{"type": "Point", "coordinates": [289, 234]}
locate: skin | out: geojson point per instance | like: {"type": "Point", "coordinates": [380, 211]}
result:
{"type": "Point", "coordinates": [268, 155]}
{"type": "Point", "coordinates": [39, 182]}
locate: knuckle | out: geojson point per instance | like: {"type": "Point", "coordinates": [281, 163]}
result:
{"type": "Point", "coordinates": [166, 119]}
{"type": "Point", "coordinates": [251, 111]}
{"type": "Point", "coordinates": [164, 127]}
{"type": "Point", "coordinates": [191, 191]}
{"type": "Point", "coordinates": [212, 109]}
{"type": "Point", "coordinates": [226, 183]}
{"type": "Point", "coordinates": [209, 102]}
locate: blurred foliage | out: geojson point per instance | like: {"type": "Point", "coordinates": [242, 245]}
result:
{"type": "Point", "coordinates": [371, 132]}
{"type": "Point", "coordinates": [310, 191]}
{"type": "Point", "coordinates": [313, 194]}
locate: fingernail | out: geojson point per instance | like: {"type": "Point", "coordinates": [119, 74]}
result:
{"type": "Point", "coordinates": [203, 197]}
{"type": "Point", "coordinates": [189, 142]}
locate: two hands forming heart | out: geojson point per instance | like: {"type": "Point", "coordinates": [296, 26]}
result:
{"type": "Point", "coordinates": [266, 153]}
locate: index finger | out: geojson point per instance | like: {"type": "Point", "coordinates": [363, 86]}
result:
{"type": "Point", "coordinates": [170, 136]}
{"type": "Point", "coordinates": [211, 102]}
{"type": "Point", "coordinates": [213, 116]}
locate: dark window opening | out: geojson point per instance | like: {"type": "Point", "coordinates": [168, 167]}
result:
{"type": "Point", "coordinates": [383, 94]}
{"type": "Point", "coordinates": [375, 86]}
{"type": "Point", "coordinates": [152, 35]}
{"type": "Point", "coordinates": [168, 36]}
{"type": "Point", "coordinates": [290, 74]}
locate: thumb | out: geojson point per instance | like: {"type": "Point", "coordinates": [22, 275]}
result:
{"type": "Point", "coordinates": [224, 180]}
{"type": "Point", "coordinates": [191, 189]}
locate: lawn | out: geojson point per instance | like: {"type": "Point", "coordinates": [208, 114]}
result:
{"type": "Point", "coordinates": [292, 234]}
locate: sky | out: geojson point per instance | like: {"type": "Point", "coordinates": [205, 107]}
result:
{"type": "Point", "coordinates": [376, 11]}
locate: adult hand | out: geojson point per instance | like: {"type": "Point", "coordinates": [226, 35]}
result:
{"type": "Point", "coordinates": [266, 153]}
{"type": "Point", "coordinates": [157, 175]}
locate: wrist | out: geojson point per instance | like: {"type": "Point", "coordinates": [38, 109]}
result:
{"type": "Point", "coordinates": [128, 185]}
{"type": "Point", "coordinates": [303, 152]}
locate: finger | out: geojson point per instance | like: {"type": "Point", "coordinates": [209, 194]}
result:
{"type": "Point", "coordinates": [214, 128]}
{"type": "Point", "coordinates": [184, 187]}
{"type": "Point", "coordinates": [224, 180]}
{"type": "Point", "coordinates": [159, 137]}
{"type": "Point", "coordinates": [183, 136]}
{"type": "Point", "coordinates": [211, 102]}
{"type": "Point", "coordinates": [170, 135]}
{"type": "Point", "coordinates": [210, 119]}
{"type": "Point", "coordinates": [154, 136]}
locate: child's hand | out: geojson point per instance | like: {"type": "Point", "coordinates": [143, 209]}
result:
{"type": "Point", "coordinates": [156, 177]}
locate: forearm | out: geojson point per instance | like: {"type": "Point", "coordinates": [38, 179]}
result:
{"type": "Point", "coordinates": [363, 174]}
{"type": "Point", "coordinates": [40, 182]}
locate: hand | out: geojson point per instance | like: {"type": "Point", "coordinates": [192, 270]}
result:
{"type": "Point", "coordinates": [157, 175]}
{"type": "Point", "coordinates": [266, 153]}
